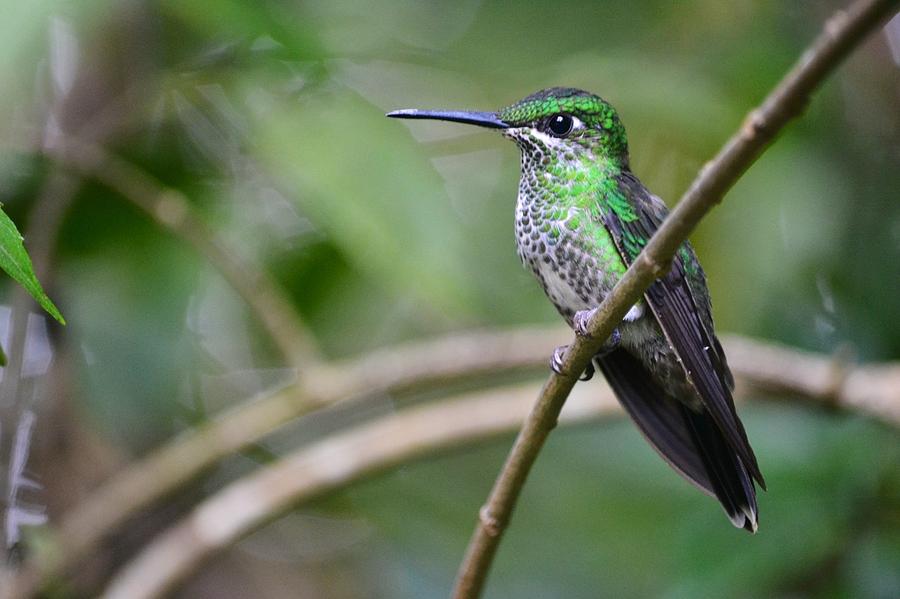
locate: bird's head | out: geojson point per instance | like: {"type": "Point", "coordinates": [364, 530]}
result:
{"type": "Point", "coordinates": [563, 124]}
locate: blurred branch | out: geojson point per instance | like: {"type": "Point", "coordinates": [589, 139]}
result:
{"type": "Point", "coordinates": [397, 370]}
{"type": "Point", "coordinates": [172, 211]}
{"type": "Point", "coordinates": [842, 32]}
{"type": "Point", "coordinates": [345, 458]}
{"type": "Point", "coordinates": [873, 389]}
{"type": "Point", "coordinates": [321, 468]}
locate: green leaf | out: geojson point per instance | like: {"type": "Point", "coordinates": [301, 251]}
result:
{"type": "Point", "coordinates": [15, 261]}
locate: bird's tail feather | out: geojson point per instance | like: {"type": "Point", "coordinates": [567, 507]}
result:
{"type": "Point", "coordinates": [730, 481]}
{"type": "Point", "coordinates": [689, 441]}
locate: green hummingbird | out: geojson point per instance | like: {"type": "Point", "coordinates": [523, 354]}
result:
{"type": "Point", "coordinates": [582, 217]}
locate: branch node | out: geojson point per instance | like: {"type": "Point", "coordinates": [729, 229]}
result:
{"type": "Point", "coordinates": [170, 209]}
{"type": "Point", "coordinates": [753, 124]}
{"type": "Point", "coordinates": [491, 525]}
{"type": "Point", "coordinates": [658, 269]}
{"type": "Point", "coordinates": [836, 23]}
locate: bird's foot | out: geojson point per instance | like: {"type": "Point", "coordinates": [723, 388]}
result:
{"type": "Point", "coordinates": [580, 322]}
{"type": "Point", "coordinates": [556, 364]}
{"type": "Point", "coordinates": [612, 343]}
{"type": "Point", "coordinates": [556, 360]}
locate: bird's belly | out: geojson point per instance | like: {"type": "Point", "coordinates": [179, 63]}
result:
{"type": "Point", "coordinates": [568, 296]}
{"type": "Point", "coordinates": [573, 277]}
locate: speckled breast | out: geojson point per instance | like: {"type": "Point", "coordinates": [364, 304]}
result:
{"type": "Point", "coordinates": [559, 257]}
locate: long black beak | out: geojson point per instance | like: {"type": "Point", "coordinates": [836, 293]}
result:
{"type": "Point", "coordinates": [482, 119]}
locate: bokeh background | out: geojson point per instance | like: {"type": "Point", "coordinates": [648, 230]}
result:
{"type": "Point", "coordinates": [268, 117]}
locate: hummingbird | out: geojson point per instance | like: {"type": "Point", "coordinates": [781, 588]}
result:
{"type": "Point", "coordinates": [582, 216]}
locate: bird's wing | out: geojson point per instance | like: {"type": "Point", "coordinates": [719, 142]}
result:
{"type": "Point", "coordinates": [679, 301]}
{"type": "Point", "coordinates": [657, 415]}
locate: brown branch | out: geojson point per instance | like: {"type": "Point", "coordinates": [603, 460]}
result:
{"type": "Point", "coordinates": [394, 371]}
{"type": "Point", "coordinates": [171, 210]}
{"type": "Point", "coordinates": [343, 459]}
{"type": "Point", "coordinates": [843, 32]}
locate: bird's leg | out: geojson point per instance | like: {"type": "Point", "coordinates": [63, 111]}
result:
{"type": "Point", "coordinates": [580, 324]}
{"type": "Point", "coordinates": [612, 343]}
{"type": "Point", "coordinates": [556, 363]}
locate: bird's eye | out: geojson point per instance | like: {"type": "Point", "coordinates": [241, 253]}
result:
{"type": "Point", "coordinates": [561, 125]}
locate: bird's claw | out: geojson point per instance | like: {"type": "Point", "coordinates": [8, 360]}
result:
{"type": "Point", "coordinates": [556, 364]}
{"type": "Point", "coordinates": [580, 322]}
{"type": "Point", "coordinates": [588, 373]}
{"type": "Point", "coordinates": [556, 360]}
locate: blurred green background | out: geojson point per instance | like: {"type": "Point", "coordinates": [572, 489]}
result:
{"type": "Point", "coordinates": [268, 115]}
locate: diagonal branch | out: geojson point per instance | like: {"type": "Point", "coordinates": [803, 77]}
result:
{"type": "Point", "coordinates": [345, 458]}
{"type": "Point", "coordinates": [842, 32]}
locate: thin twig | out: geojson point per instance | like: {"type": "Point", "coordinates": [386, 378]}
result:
{"type": "Point", "coordinates": [843, 32]}
{"type": "Point", "coordinates": [172, 211]}
{"type": "Point", "coordinates": [343, 459]}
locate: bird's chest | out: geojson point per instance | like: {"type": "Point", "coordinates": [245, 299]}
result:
{"type": "Point", "coordinates": [560, 256]}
